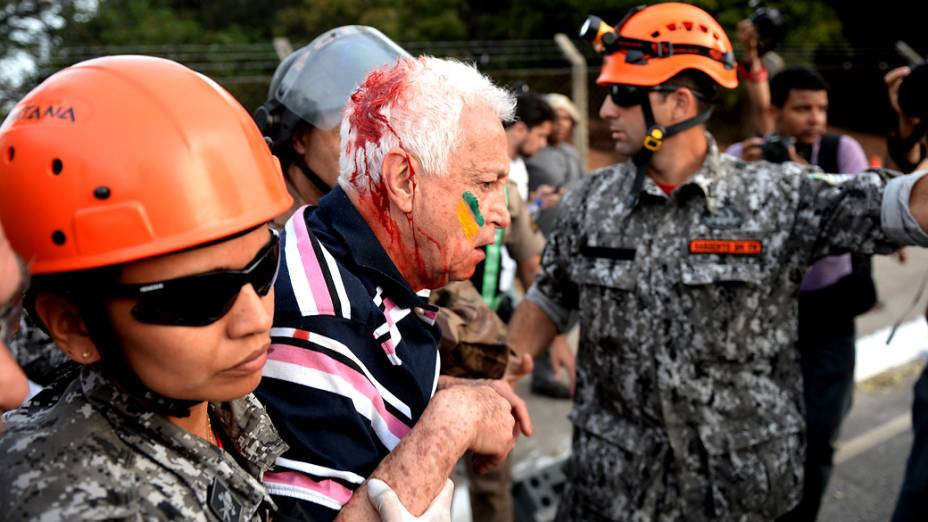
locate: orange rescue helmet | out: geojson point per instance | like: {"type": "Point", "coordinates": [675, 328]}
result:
{"type": "Point", "coordinates": [123, 158]}
{"type": "Point", "coordinates": [654, 43]}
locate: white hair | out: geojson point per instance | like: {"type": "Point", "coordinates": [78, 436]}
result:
{"type": "Point", "coordinates": [416, 105]}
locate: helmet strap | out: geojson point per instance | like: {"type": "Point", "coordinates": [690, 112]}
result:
{"type": "Point", "coordinates": [653, 140]}
{"type": "Point", "coordinates": [313, 178]}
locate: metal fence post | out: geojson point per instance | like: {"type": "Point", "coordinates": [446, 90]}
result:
{"type": "Point", "coordinates": [282, 47]}
{"type": "Point", "coordinates": [578, 73]}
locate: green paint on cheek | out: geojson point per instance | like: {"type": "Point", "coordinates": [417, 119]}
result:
{"type": "Point", "coordinates": [474, 205]}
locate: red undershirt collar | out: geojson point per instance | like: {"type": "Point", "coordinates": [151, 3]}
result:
{"type": "Point", "coordinates": [665, 187]}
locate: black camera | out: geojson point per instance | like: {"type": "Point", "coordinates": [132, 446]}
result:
{"type": "Point", "coordinates": [776, 147]}
{"type": "Point", "coordinates": [770, 25]}
{"type": "Point", "coordinates": [913, 92]}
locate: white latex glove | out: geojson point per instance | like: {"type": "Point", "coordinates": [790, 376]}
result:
{"type": "Point", "coordinates": [391, 509]}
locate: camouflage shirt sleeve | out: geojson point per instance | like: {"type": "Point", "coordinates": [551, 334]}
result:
{"type": "Point", "coordinates": [865, 213]}
{"type": "Point", "coordinates": [554, 291]}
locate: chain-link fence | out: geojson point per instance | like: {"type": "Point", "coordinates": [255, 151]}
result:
{"type": "Point", "coordinates": [857, 97]}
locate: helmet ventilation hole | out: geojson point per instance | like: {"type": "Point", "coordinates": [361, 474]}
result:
{"type": "Point", "coordinates": [10, 153]}
{"type": "Point", "coordinates": [688, 26]}
{"type": "Point", "coordinates": [58, 237]}
{"type": "Point", "coordinates": [57, 166]}
{"type": "Point", "coordinates": [672, 26]}
{"type": "Point", "coordinates": [655, 34]}
{"type": "Point", "coordinates": [703, 28]}
{"type": "Point", "coordinates": [101, 192]}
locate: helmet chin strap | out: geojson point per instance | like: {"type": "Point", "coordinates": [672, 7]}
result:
{"type": "Point", "coordinates": [653, 140]}
{"type": "Point", "coordinates": [313, 178]}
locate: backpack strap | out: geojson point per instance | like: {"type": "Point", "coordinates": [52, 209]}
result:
{"type": "Point", "coordinates": [828, 153]}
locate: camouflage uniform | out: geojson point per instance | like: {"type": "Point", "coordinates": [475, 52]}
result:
{"type": "Point", "coordinates": [689, 391]}
{"type": "Point", "coordinates": [83, 449]}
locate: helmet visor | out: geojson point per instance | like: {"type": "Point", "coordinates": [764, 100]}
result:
{"type": "Point", "coordinates": [330, 68]}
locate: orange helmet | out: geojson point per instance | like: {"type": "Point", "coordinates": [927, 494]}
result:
{"type": "Point", "coordinates": [653, 43]}
{"type": "Point", "coordinates": [123, 158]}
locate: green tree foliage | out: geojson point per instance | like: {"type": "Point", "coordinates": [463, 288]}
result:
{"type": "Point", "coordinates": [195, 32]}
{"type": "Point", "coordinates": [25, 26]}
{"type": "Point", "coordinates": [402, 20]}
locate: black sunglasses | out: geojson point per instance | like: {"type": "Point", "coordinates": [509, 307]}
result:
{"type": "Point", "coordinates": [626, 96]}
{"type": "Point", "coordinates": [201, 299]}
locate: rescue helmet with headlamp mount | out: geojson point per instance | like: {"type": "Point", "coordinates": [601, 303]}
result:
{"type": "Point", "coordinates": [652, 44]}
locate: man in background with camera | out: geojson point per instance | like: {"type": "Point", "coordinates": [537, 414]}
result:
{"type": "Point", "coordinates": [836, 288]}
{"type": "Point", "coordinates": [908, 150]}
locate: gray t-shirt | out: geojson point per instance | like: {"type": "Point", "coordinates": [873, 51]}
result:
{"type": "Point", "coordinates": [557, 166]}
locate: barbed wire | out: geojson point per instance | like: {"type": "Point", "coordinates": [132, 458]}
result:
{"type": "Point", "coordinates": [256, 62]}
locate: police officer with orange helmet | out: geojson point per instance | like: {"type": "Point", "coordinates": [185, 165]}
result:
{"type": "Point", "coordinates": [138, 192]}
{"type": "Point", "coordinates": [682, 266]}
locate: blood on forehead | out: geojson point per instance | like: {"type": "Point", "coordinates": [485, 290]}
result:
{"type": "Point", "coordinates": [369, 123]}
{"type": "Point", "coordinates": [367, 118]}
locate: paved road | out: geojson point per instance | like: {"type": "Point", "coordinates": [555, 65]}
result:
{"type": "Point", "coordinates": [875, 439]}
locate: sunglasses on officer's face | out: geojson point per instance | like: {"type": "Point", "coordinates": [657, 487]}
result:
{"type": "Point", "coordinates": [626, 96]}
{"type": "Point", "coordinates": [201, 299]}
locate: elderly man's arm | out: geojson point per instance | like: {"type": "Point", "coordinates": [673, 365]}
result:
{"type": "Point", "coordinates": [458, 419]}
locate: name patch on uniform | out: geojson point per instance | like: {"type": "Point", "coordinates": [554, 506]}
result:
{"type": "Point", "coordinates": [620, 254]}
{"type": "Point", "coordinates": [725, 218]}
{"type": "Point", "coordinates": [737, 247]}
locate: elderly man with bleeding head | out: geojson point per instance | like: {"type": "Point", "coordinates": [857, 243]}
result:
{"type": "Point", "coordinates": [352, 382]}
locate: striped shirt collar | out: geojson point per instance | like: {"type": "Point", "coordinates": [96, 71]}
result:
{"type": "Point", "coordinates": [336, 215]}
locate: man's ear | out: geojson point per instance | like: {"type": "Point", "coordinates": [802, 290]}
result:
{"type": "Point", "coordinates": [298, 140]}
{"type": "Point", "coordinates": [517, 132]}
{"type": "Point", "coordinates": [398, 175]}
{"type": "Point", "coordinates": [685, 104]}
{"type": "Point", "coordinates": [66, 328]}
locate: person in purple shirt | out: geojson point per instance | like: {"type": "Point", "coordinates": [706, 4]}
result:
{"type": "Point", "coordinates": [835, 289]}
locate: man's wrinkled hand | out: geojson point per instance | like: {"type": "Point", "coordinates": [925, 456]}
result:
{"type": "Point", "coordinates": [505, 390]}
